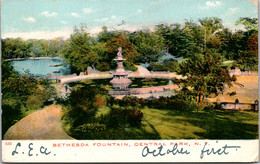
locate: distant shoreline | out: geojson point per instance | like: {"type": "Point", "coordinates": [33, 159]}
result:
{"type": "Point", "coordinates": [35, 58]}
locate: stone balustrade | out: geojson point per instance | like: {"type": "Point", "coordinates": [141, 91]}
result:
{"type": "Point", "coordinates": [85, 77]}
{"type": "Point", "coordinates": [49, 76]}
{"type": "Point", "coordinates": [135, 91]}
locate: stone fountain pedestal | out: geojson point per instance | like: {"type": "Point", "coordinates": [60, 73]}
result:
{"type": "Point", "coordinates": [120, 79]}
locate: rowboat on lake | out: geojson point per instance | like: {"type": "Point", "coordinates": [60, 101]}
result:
{"type": "Point", "coordinates": [55, 65]}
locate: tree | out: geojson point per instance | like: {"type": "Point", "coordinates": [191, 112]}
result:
{"type": "Point", "coordinates": [14, 48]}
{"type": "Point", "coordinates": [248, 55]}
{"type": "Point", "coordinates": [249, 23]}
{"type": "Point", "coordinates": [36, 50]}
{"type": "Point", "coordinates": [105, 35]}
{"type": "Point", "coordinates": [211, 26]}
{"type": "Point", "coordinates": [128, 49]}
{"type": "Point", "coordinates": [148, 45]}
{"type": "Point", "coordinates": [247, 60]}
{"type": "Point", "coordinates": [253, 43]}
{"type": "Point", "coordinates": [79, 51]}
{"type": "Point", "coordinates": [19, 48]}
{"type": "Point", "coordinates": [101, 49]}
{"type": "Point", "coordinates": [57, 46]}
{"type": "Point", "coordinates": [232, 43]}
{"type": "Point", "coordinates": [179, 41]}
{"type": "Point", "coordinates": [204, 76]}
{"type": "Point", "coordinates": [7, 70]}
{"type": "Point", "coordinates": [196, 33]}
{"type": "Point", "coordinates": [226, 38]}
{"type": "Point", "coordinates": [241, 46]}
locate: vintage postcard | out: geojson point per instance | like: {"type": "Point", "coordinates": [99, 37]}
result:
{"type": "Point", "coordinates": [129, 81]}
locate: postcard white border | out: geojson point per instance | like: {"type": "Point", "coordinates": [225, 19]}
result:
{"type": "Point", "coordinates": [129, 151]}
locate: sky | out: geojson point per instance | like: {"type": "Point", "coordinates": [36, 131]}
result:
{"type": "Point", "coordinates": [48, 19]}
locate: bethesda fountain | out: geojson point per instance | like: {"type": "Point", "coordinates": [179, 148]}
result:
{"type": "Point", "coordinates": [120, 79]}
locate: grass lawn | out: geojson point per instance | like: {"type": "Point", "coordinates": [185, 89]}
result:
{"type": "Point", "coordinates": [168, 124]}
{"type": "Point", "coordinates": [201, 125]}
{"type": "Point", "coordinates": [172, 124]}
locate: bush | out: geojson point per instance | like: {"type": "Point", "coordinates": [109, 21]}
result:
{"type": "Point", "coordinates": [91, 128]}
{"type": "Point", "coordinates": [125, 117]}
{"type": "Point", "coordinates": [82, 102]}
{"type": "Point", "coordinates": [103, 66]}
{"type": "Point", "coordinates": [100, 100]}
{"type": "Point", "coordinates": [129, 101]}
{"type": "Point", "coordinates": [89, 131]}
{"type": "Point", "coordinates": [157, 67]}
{"type": "Point", "coordinates": [130, 66]}
{"type": "Point", "coordinates": [171, 66]}
{"type": "Point", "coordinates": [134, 117]}
{"type": "Point", "coordinates": [173, 102]}
{"type": "Point", "coordinates": [34, 102]}
{"type": "Point", "coordinates": [11, 112]}
{"type": "Point", "coordinates": [208, 108]}
{"type": "Point", "coordinates": [78, 115]}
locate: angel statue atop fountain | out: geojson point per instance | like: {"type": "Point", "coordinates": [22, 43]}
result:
{"type": "Point", "coordinates": [119, 54]}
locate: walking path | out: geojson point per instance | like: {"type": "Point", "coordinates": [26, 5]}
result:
{"type": "Point", "coordinates": [40, 125]}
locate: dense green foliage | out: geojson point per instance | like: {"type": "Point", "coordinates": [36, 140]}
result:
{"type": "Point", "coordinates": [90, 109]}
{"type": "Point", "coordinates": [205, 76]}
{"type": "Point", "coordinates": [129, 51]}
{"type": "Point", "coordinates": [18, 48]}
{"type": "Point", "coordinates": [148, 45]}
{"type": "Point", "coordinates": [175, 117]}
{"type": "Point", "coordinates": [22, 94]}
{"type": "Point", "coordinates": [249, 23]}
{"type": "Point", "coordinates": [179, 42]}
{"type": "Point", "coordinates": [189, 40]}
{"type": "Point", "coordinates": [79, 51]}
{"type": "Point", "coordinates": [90, 113]}
{"type": "Point", "coordinates": [178, 102]}
{"type": "Point", "coordinates": [172, 66]}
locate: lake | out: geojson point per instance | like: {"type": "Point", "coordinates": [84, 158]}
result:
{"type": "Point", "coordinates": [41, 67]}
